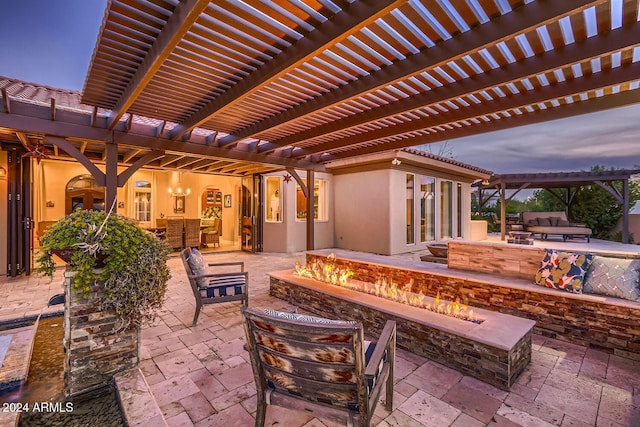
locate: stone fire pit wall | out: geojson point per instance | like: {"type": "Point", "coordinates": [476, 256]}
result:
{"type": "Point", "coordinates": [602, 323]}
{"type": "Point", "coordinates": [94, 350]}
{"type": "Point", "coordinates": [496, 352]}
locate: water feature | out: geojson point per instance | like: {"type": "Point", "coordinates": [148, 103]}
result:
{"type": "Point", "coordinates": [43, 391]}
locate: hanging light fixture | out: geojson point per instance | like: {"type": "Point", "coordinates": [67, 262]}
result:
{"type": "Point", "coordinates": [178, 192]}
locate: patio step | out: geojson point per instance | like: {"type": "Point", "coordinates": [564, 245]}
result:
{"type": "Point", "coordinates": [139, 407]}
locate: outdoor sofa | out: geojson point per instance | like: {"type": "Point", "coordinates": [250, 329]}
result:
{"type": "Point", "coordinates": [555, 223]}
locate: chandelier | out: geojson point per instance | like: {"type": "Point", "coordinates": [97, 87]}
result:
{"type": "Point", "coordinates": [178, 192]}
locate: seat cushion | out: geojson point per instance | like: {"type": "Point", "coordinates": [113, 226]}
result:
{"type": "Point", "coordinates": [369, 349]}
{"type": "Point", "coordinates": [614, 277]}
{"type": "Point", "coordinates": [306, 318]}
{"type": "Point", "coordinates": [563, 270]}
{"type": "Point", "coordinates": [223, 288]}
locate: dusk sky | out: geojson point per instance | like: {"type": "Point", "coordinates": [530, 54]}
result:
{"type": "Point", "coordinates": [50, 42]}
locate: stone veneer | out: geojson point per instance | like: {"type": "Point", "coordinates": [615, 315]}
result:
{"type": "Point", "coordinates": [94, 350]}
{"type": "Point", "coordinates": [496, 351]}
{"type": "Point", "coordinates": [507, 260]}
{"type": "Point", "coordinates": [595, 321]}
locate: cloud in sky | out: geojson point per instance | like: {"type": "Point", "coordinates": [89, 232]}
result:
{"type": "Point", "coordinates": [608, 138]}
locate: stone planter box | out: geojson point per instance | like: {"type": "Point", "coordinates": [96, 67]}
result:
{"type": "Point", "coordinates": [94, 350]}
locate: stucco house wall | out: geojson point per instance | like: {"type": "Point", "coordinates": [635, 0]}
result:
{"type": "Point", "coordinates": [290, 233]}
{"type": "Point", "coordinates": [371, 199]}
{"type": "Point", "coordinates": [363, 210]}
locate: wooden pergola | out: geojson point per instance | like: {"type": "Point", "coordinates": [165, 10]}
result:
{"type": "Point", "coordinates": [572, 181]}
{"type": "Point", "coordinates": [245, 87]}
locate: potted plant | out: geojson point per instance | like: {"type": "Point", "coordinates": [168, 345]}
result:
{"type": "Point", "coordinates": [107, 247]}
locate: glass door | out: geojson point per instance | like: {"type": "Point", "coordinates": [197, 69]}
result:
{"type": "Point", "coordinates": [251, 213]}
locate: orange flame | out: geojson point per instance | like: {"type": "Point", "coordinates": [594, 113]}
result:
{"type": "Point", "coordinates": [384, 287]}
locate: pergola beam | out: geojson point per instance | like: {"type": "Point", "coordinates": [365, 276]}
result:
{"type": "Point", "coordinates": [620, 39]}
{"type": "Point", "coordinates": [180, 21]}
{"type": "Point", "coordinates": [74, 125]}
{"type": "Point", "coordinates": [564, 111]}
{"type": "Point", "coordinates": [501, 28]}
{"type": "Point", "coordinates": [354, 17]}
{"type": "Point", "coordinates": [614, 76]}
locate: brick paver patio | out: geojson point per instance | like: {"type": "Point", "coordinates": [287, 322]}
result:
{"type": "Point", "coordinates": [201, 375]}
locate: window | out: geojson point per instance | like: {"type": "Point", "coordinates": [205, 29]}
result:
{"type": "Point", "coordinates": [410, 207]}
{"type": "Point", "coordinates": [446, 209]}
{"type": "Point", "coordinates": [427, 208]}
{"type": "Point", "coordinates": [320, 206]}
{"type": "Point", "coordinates": [142, 201]}
{"type": "Point", "coordinates": [273, 193]}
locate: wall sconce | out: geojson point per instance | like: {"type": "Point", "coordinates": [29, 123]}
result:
{"type": "Point", "coordinates": [395, 162]}
{"type": "Point", "coordinates": [3, 172]}
{"type": "Point", "coordinates": [50, 204]}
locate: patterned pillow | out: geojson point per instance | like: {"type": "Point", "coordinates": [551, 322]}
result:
{"type": "Point", "coordinates": [614, 277]}
{"type": "Point", "coordinates": [197, 266]}
{"type": "Point", "coordinates": [563, 270]}
{"type": "Point", "coordinates": [305, 318]}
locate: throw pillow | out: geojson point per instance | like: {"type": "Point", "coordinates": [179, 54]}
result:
{"type": "Point", "coordinates": [197, 266]}
{"type": "Point", "coordinates": [532, 222]}
{"type": "Point", "coordinates": [544, 222]}
{"type": "Point", "coordinates": [554, 220]}
{"type": "Point", "coordinates": [614, 277]}
{"type": "Point", "coordinates": [563, 223]}
{"type": "Point", "coordinates": [306, 318]}
{"type": "Point", "coordinates": [563, 270]}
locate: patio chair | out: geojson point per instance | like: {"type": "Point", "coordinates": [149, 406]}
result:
{"type": "Point", "coordinates": [318, 365]}
{"type": "Point", "coordinates": [496, 219]}
{"type": "Point", "coordinates": [217, 286]}
{"type": "Point", "coordinates": [192, 232]}
{"type": "Point", "coordinates": [174, 233]}
{"type": "Point", "coordinates": [211, 234]}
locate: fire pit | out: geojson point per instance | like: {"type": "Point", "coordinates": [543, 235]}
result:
{"type": "Point", "coordinates": [494, 349]}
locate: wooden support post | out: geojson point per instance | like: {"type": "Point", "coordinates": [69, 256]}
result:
{"type": "Point", "coordinates": [111, 175]}
{"type": "Point", "coordinates": [310, 210]}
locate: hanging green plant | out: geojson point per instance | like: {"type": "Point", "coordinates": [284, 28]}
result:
{"type": "Point", "coordinates": [130, 261]}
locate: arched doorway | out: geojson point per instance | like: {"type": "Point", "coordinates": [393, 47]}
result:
{"type": "Point", "coordinates": [82, 192]}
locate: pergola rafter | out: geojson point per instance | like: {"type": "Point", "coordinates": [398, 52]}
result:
{"type": "Point", "coordinates": [262, 86]}
{"type": "Point", "coordinates": [519, 21]}
{"type": "Point", "coordinates": [620, 39]}
{"type": "Point", "coordinates": [355, 16]}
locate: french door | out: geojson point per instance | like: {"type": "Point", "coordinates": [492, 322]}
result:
{"type": "Point", "coordinates": [251, 213]}
{"type": "Point", "coordinates": [19, 214]}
